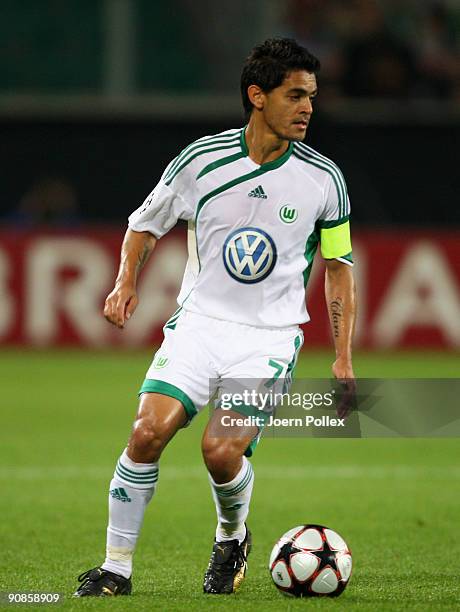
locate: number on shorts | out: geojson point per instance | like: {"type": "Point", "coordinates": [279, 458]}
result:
{"type": "Point", "coordinates": [279, 367]}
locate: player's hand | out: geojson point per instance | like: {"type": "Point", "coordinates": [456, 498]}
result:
{"type": "Point", "coordinates": [120, 305]}
{"type": "Point", "coordinates": [343, 372]}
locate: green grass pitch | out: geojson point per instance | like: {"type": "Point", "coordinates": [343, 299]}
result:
{"type": "Point", "coordinates": [65, 417]}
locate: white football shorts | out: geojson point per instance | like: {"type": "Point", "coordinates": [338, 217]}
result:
{"type": "Point", "coordinates": [203, 357]}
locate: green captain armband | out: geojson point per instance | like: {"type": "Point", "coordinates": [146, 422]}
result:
{"type": "Point", "coordinates": [335, 238]}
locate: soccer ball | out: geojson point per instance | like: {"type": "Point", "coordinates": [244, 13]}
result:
{"type": "Point", "coordinates": [310, 560]}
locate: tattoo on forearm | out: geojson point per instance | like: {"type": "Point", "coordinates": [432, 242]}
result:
{"type": "Point", "coordinates": [143, 257]}
{"type": "Point", "coordinates": [336, 315]}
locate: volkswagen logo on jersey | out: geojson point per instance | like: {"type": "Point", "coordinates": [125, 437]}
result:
{"type": "Point", "coordinates": [249, 255]}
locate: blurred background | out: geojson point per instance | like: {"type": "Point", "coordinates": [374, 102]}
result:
{"type": "Point", "coordinates": [97, 96]}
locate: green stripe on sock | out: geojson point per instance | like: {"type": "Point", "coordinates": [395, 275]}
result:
{"type": "Point", "coordinates": [154, 470]}
{"type": "Point", "coordinates": [140, 479]}
{"type": "Point", "coordinates": [239, 487]}
{"type": "Point", "coordinates": [243, 484]}
{"type": "Point", "coordinates": [134, 480]}
{"type": "Point", "coordinates": [146, 479]}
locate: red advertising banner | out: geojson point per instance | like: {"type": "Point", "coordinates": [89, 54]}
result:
{"type": "Point", "coordinates": [53, 285]}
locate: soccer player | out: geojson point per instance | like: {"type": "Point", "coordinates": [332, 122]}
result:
{"type": "Point", "coordinates": [258, 202]}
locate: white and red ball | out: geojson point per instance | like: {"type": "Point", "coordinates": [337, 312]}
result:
{"type": "Point", "coordinates": [309, 561]}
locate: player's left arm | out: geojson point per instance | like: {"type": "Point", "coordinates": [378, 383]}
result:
{"type": "Point", "coordinates": [341, 304]}
{"type": "Point", "coordinates": [336, 249]}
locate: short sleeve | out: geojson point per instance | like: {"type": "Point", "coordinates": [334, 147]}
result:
{"type": "Point", "coordinates": [163, 207]}
{"type": "Point", "coordinates": [334, 223]}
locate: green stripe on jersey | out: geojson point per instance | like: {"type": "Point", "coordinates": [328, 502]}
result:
{"type": "Point", "coordinates": [186, 162]}
{"type": "Point", "coordinates": [311, 247]}
{"type": "Point", "coordinates": [334, 223]}
{"type": "Point", "coordinates": [348, 257]}
{"type": "Point", "coordinates": [219, 163]}
{"type": "Point", "coordinates": [297, 347]}
{"type": "Point", "coordinates": [170, 326]}
{"type": "Point", "coordinates": [321, 166]}
{"type": "Point", "coordinates": [197, 145]}
{"type": "Point", "coordinates": [272, 165]}
{"type": "Point", "coordinates": [205, 141]}
{"type": "Point", "coordinates": [214, 192]}
{"type": "Point", "coordinates": [335, 169]}
{"type": "Point", "coordinates": [173, 318]}
{"type": "Point", "coordinates": [332, 170]}
{"type": "Point", "coordinates": [292, 364]}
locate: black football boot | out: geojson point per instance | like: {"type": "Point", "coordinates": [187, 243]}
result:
{"type": "Point", "coordinates": [227, 566]}
{"type": "Point", "coordinates": [98, 582]}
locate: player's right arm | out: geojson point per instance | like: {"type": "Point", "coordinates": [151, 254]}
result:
{"type": "Point", "coordinates": [160, 211]}
{"type": "Point", "coordinates": [122, 300]}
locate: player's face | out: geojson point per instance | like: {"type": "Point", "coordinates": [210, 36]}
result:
{"type": "Point", "coordinates": [288, 108]}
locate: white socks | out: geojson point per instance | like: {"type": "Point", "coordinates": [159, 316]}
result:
{"type": "Point", "coordinates": [133, 486]}
{"type": "Point", "coordinates": [232, 503]}
{"type": "Point", "coordinates": [131, 489]}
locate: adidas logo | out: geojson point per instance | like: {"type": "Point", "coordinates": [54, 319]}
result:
{"type": "Point", "coordinates": [120, 494]}
{"type": "Point", "coordinates": [258, 192]}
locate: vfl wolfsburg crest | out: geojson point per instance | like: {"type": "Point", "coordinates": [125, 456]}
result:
{"type": "Point", "coordinates": [249, 255]}
{"type": "Point", "coordinates": [160, 362]}
{"type": "Point", "coordinates": [288, 214]}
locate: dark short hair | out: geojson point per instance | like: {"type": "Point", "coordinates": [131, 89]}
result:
{"type": "Point", "coordinates": [269, 63]}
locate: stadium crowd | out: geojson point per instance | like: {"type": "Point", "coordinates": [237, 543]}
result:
{"type": "Point", "coordinates": [372, 48]}
{"type": "Point", "coordinates": [368, 48]}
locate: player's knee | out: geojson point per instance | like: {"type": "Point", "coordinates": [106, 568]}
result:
{"type": "Point", "coordinates": [146, 439]}
{"type": "Point", "coordinates": [220, 454]}
{"type": "Point", "coordinates": [146, 432]}
{"type": "Point", "coordinates": [157, 421]}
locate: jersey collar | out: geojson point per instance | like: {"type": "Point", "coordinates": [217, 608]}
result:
{"type": "Point", "coordinates": [271, 165]}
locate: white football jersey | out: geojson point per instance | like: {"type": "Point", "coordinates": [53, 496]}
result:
{"type": "Point", "coordinates": [253, 229]}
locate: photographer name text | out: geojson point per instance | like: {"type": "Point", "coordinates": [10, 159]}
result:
{"type": "Point", "coordinates": [271, 421]}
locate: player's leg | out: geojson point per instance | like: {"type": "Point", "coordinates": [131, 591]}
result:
{"type": "Point", "coordinates": [136, 475]}
{"type": "Point", "coordinates": [230, 472]}
{"type": "Point", "coordinates": [260, 361]}
{"type": "Point", "coordinates": [231, 477]}
{"type": "Point", "coordinates": [132, 487]}
{"type": "Point", "coordinates": [176, 387]}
